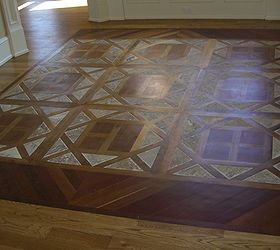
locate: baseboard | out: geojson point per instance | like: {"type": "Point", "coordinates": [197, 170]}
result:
{"type": "Point", "coordinates": [188, 17]}
{"type": "Point", "coordinates": [18, 42]}
{"type": "Point", "coordinates": [22, 52]}
{"type": "Point", "coordinates": [272, 18]}
{"type": "Point", "coordinates": [99, 20]}
{"type": "Point", "coordinates": [5, 50]}
{"type": "Point", "coordinates": [167, 17]}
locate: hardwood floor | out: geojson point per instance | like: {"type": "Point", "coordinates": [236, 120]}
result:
{"type": "Point", "coordinates": [47, 30]}
{"type": "Point", "coordinates": [239, 208]}
{"type": "Point", "coordinates": [171, 125]}
{"type": "Point", "coordinates": [148, 113]}
{"type": "Point", "coordinates": [29, 227]}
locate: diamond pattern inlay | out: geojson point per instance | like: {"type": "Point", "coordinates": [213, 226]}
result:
{"type": "Point", "coordinates": [56, 83]}
{"type": "Point", "coordinates": [190, 108]}
{"type": "Point", "coordinates": [237, 145]}
{"type": "Point", "coordinates": [16, 128]}
{"type": "Point", "coordinates": [110, 136]}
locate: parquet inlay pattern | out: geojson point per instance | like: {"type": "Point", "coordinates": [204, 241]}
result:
{"type": "Point", "coordinates": [160, 124]}
{"type": "Point", "coordinates": [164, 104]}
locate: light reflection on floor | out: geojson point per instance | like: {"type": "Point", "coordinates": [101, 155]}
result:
{"type": "Point", "coordinates": [48, 5]}
{"type": "Point", "coordinates": [150, 105]}
{"type": "Point", "coordinates": [25, 5]}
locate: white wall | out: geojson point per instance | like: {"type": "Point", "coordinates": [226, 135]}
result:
{"type": "Point", "coordinates": [5, 49]}
{"type": "Point", "coordinates": [137, 9]}
{"type": "Point", "coordinates": [12, 42]}
{"type": "Point", "coordinates": [2, 26]}
{"type": "Point", "coordinates": [273, 10]}
{"type": "Point", "coordinates": [102, 10]}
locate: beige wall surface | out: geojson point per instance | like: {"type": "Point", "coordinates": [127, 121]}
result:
{"type": "Point", "coordinates": [273, 9]}
{"type": "Point", "coordinates": [102, 10]}
{"type": "Point", "coordinates": [2, 27]}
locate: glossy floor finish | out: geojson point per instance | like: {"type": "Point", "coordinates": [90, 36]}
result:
{"type": "Point", "coordinates": [25, 226]}
{"type": "Point", "coordinates": [187, 106]}
{"type": "Point", "coordinates": [48, 29]}
{"type": "Point", "coordinates": [163, 124]}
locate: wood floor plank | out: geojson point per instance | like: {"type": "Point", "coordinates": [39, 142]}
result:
{"type": "Point", "coordinates": [75, 230]}
{"type": "Point", "coordinates": [214, 205]}
{"type": "Point", "coordinates": [105, 129]}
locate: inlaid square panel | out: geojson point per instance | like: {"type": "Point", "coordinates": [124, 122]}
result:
{"type": "Point", "coordinates": [244, 89]}
{"type": "Point", "coordinates": [89, 51]}
{"type": "Point", "coordinates": [15, 128]}
{"type": "Point", "coordinates": [54, 84]}
{"type": "Point", "coordinates": [57, 83]}
{"type": "Point", "coordinates": [110, 136]}
{"type": "Point", "coordinates": [166, 52]}
{"type": "Point", "coordinates": [236, 145]}
{"type": "Point", "coordinates": [214, 145]}
{"type": "Point", "coordinates": [92, 51]}
{"type": "Point", "coordinates": [238, 54]}
{"type": "Point", "coordinates": [241, 53]}
{"type": "Point", "coordinates": [146, 86]}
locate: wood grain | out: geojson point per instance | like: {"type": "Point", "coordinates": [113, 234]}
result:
{"type": "Point", "coordinates": [221, 204]}
{"type": "Point", "coordinates": [199, 204]}
{"type": "Point", "coordinates": [48, 30]}
{"type": "Point", "coordinates": [30, 227]}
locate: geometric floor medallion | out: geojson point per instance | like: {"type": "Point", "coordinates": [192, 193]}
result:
{"type": "Point", "coordinates": [166, 125]}
{"type": "Point", "coordinates": [199, 108]}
